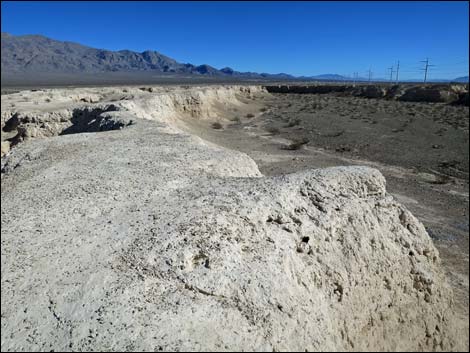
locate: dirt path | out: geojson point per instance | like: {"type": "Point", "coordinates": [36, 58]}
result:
{"type": "Point", "coordinates": [422, 149]}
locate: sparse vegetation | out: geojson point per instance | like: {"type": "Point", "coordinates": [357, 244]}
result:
{"type": "Point", "coordinates": [217, 126]}
{"type": "Point", "coordinates": [264, 109]}
{"type": "Point", "coordinates": [296, 144]}
{"type": "Point", "coordinates": [236, 119]}
{"type": "Point", "coordinates": [334, 134]}
{"type": "Point", "coordinates": [250, 115]}
{"type": "Point", "coordinates": [293, 122]}
{"type": "Point", "coordinates": [273, 130]}
{"type": "Point", "coordinates": [441, 179]}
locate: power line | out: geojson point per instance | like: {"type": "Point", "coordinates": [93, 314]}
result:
{"type": "Point", "coordinates": [426, 67]}
{"type": "Point", "coordinates": [355, 76]}
{"type": "Point", "coordinates": [398, 68]}
{"type": "Point", "coordinates": [370, 73]}
{"type": "Point", "coordinates": [391, 73]}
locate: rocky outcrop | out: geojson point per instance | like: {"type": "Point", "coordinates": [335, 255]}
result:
{"type": "Point", "coordinates": [146, 238]}
{"type": "Point", "coordinates": [51, 112]}
{"type": "Point", "coordinates": [371, 92]}
{"type": "Point", "coordinates": [432, 94]}
{"type": "Point", "coordinates": [429, 94]}
{"type": "Point", "coordinates": [463, 99]}
{"type": "Point", "coordinates": [313, 89]}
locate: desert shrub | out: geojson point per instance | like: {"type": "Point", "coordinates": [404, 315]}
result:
{"type": "Point", "coordinates": [217, 126]}
{"type": "Point", "coordinates": [249, 115]}
{"type": "Point", "coordinates": [442, 179]}
{"type": "Point", "coordinates": [273, 130]}
{"type": "Point", "coordinates": [296, 144]}
{"type": "Point", "coordinates": [263, 109]}
{"type": "Point", "coordinates": [293, 122]}
{"type": "Point", "coordinates": [236, 119]}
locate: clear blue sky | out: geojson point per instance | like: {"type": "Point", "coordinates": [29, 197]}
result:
{"type": "Point", "coordinates": [300, 38]}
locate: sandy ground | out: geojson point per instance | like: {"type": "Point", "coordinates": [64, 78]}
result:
{"type": "Point", "coordinates": [421, 148]}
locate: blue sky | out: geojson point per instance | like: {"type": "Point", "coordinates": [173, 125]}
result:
{"type": "Point", "coordinates": [300, 38]}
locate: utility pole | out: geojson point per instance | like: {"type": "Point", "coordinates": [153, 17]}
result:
{"type": "Point", "coordinates": [398, 68]}
{"type": "Point", "coordinates": [391, 74]}
{"type": "Point", "coordinates": [426, 66]}
{"type": "Point", "coordinates": [370, 74]}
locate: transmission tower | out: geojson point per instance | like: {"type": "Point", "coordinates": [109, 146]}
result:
{"type": "Point", "coordinates": [398, 68]}
{"type": "Point", "coordinates": [355, 75]}
{"type": "Point", "coordinates": [391, 73]}
{"type": "Point", "coordinates": [425, 69]}
{"type": "Point", "coordinates": [370, 74]}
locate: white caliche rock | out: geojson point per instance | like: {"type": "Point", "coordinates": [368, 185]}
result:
{"type": "Point", "coordinates": [145, 238]}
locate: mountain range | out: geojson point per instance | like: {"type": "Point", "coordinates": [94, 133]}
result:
{"type": "Point", "coordinates": [41, 55]}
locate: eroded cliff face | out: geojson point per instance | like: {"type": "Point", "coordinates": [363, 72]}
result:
{"type": "Point", "coordinates": [454, 94]}
{"type": "Point", "coordinates": [46, 113]}
{"type": "Point", "coordinates": [146, 238]}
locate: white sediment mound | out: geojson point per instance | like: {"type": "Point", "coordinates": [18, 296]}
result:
{"type": "Point", "coordinates": [146, 238]}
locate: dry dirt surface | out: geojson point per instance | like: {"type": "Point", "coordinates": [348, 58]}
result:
{"type": "Point", "coordinates": [122, 229]}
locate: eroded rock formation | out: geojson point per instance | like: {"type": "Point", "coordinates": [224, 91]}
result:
{"type": "Point", "coordinates": [457, 94]}
{"type": "Point", "coordinates": [146, 238]}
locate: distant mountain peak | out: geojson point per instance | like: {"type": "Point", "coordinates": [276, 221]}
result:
{"type": "Point", "coordinates": [227, 70]}
{"type": "Point", "coordinates": [463, 79]}
{"type": "Point", "coordinates": [39, 54]}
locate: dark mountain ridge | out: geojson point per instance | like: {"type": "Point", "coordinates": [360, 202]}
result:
{"type": "Point", "coordinates": [37, 54]}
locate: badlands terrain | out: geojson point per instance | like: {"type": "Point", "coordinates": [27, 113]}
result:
{"type": "Point", "coordinates": [223, 217]}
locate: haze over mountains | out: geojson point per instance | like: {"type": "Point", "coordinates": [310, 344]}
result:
{"type": "Point", "coordinates": [41, 55]}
